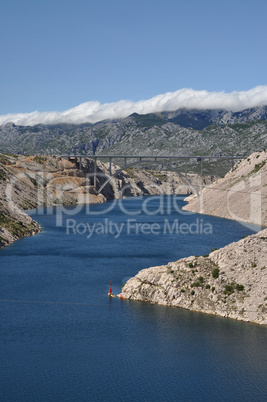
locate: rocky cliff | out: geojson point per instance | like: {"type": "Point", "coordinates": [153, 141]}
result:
{"type": "Point", "coordinates": [230, 282]}
{"type": "Point", "coordinates": [240, 195]}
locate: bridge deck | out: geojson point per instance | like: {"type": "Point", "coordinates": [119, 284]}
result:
{"type": "Point", "coordinates": [147, 158]}
{"type": "Point", "coordinates": [153, 157]}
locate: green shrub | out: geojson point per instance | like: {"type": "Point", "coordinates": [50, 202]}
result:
{"type": "Point", "coordinates": [213, 288]}
{"type": "Point", "coordinates": [228, 289]}
{"type": "Point", "coordinates": [191, 265]}
{"type": "Point", "coordinates": [192, 292]}
{"type": "Point", "coordinates": [207, 286]}
{"type": "Point", "coordinates": [216, 273]}
{"type": "Point", "coordinates": [239, 287]}
{"type": "Point", "coordinates": [182, 290]}
{"type": "Point", "coordinates": [201, 279]}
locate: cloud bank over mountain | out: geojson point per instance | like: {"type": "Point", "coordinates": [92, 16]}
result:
{"type": "Point", "coordinates": [92, 112]}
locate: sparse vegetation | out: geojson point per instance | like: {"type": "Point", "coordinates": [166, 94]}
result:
{"type": "Point", "coordinates": [216, 273]}
{"type": "Point", "coordinates": [228, 289]}
{"type": "Point", "coordinates": [3, 175]}
{"type": "Point", "coordinates": [258, 167]}
{"type": "Point", "coordinates": [40, 159]}
{"type": "Point", "coordinates": [195, 284]}
{"type": "Point", "coordinates": [4, 159]}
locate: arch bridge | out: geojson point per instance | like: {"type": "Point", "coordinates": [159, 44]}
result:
{"type": "Point", "coordinates": [132, 160]}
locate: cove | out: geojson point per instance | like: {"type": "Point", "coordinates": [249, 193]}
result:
{"type": "Point", "coordinates": [63, 339]}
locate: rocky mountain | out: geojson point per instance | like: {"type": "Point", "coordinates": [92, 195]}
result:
{"type": "Point", "coordinates": [182, 132]}
{"type": "Point", "coordinates": [199, 119]}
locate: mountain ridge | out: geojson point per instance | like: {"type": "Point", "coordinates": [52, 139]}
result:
{"type": "Point", "coordinates": [207, 132]}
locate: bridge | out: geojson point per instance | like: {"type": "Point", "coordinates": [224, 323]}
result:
{"type": "Point", "coordinates": [132, 160]}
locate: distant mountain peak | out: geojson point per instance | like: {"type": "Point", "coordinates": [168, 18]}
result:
{"type": "Point", "coordinates": [180, 132]}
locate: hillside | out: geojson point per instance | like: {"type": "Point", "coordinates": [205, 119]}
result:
{"type": "Point", "coordinates": [182, 132]}
{"type": "Point", "coordinates": [230, 282]}
{"type": "Point", "coordinates": [240, 195]}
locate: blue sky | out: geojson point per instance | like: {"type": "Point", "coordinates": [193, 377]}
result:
{"type": "Point", "coordinates": [58, 54]}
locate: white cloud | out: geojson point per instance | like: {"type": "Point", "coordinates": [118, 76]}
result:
{"type": "Point", "coordinates": [93, 112]}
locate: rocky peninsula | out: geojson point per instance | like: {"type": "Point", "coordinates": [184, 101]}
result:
{"type": "Point", "coordinates": [230, 282]}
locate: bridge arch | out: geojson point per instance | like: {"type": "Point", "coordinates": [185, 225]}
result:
{"type": "Point", "coordinates": [143, 161]}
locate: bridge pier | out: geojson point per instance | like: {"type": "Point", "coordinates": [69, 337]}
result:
{"type": "Point", "coordinates": [110, 173]}
{"type": "Point", "coordinates": [147, 159]}
{"type": "Point", "coordinates": [95, 169]}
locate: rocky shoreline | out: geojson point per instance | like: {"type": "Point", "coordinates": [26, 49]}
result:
{"type": "Point", "coordinates": [230, 282]}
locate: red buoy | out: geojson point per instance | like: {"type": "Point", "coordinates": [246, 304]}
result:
{"type": "Point", "coordinates": [110, 290]}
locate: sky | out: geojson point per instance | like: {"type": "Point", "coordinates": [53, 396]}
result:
{"type": "Point", "coordinates": [85, 60]}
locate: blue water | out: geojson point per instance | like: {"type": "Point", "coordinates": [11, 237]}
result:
{"type": "Point", "coordinates": [63, 339]}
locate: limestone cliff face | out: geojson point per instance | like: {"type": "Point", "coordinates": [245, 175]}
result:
{"type": "Point", "coordinates": [240, 195]}
{"type": "Point", "coordinates": [27, 182]}
{"type": "Point", "coordinates": [230, 282]}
